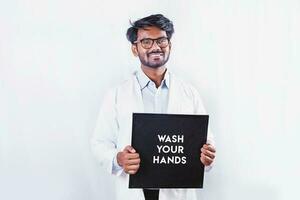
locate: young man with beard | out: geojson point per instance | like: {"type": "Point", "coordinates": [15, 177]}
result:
{"type": "Point", "coordinates": [151, 89]}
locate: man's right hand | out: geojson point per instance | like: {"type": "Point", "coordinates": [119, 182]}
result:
{"type": "Point", "coordinates": [129, 160]}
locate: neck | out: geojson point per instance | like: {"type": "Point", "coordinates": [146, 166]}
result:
{"type": "Point", "coordinates": [156, 75]}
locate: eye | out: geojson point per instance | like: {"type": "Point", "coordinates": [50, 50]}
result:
{"type": "Point", "coordinates": [162, 41]}
{"type": "Point", "coordinates": [146, 42]}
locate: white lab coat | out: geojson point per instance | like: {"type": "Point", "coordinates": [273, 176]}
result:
{"type": "Point", "coordinates": [114, 125]}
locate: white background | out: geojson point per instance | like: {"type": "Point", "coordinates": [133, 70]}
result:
{"type": "Point", "coordinates": [58, 57]}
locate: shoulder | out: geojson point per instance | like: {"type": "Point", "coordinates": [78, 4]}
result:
{"type": "Point", "coordinates": [113, 93]}
{"type": "Point", "coordinates": [190, 92]}
{"type": "Point", "coordinates": [186, 87]}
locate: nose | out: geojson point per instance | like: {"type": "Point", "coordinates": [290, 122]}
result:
{"type": "Point", "coordinates": [155, 46]}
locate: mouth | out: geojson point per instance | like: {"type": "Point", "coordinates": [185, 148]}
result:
{"type": "Point", "coordinates": [156, 55]}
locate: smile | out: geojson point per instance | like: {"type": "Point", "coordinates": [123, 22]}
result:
{"type": "Point", "coordinates": [155, 54]}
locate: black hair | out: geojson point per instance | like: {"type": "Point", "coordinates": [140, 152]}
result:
{"type": "Point", "coordinates": [157, 20]}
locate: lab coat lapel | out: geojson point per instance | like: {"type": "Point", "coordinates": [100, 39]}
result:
{"type": "Point", "coordinates": [174, 103]}
{"type": "Point", "coordinates": [137, 103]}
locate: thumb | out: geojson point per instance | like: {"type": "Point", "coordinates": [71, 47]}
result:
{"type": "Point", "coordinates": [129, 149]}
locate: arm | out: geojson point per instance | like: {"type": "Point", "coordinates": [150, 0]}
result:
{"type": "Point", "coordinates": [208, 151]}
{"type": "Point", "coordinates": [103, 141]}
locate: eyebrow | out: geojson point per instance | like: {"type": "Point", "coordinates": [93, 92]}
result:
{"type": "Point", "coordinates": [154, 38]}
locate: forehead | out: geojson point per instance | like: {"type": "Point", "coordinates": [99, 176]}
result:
{"type": "Point", "coordinates": [150, 32]}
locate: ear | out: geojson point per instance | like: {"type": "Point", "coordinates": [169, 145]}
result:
{"type": "Point", "coordinates": [170, 45]}
{"type": "Point", "coordinates": [134, 50]}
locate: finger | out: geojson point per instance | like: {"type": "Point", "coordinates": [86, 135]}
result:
{"type": "Point", "coordinates": [205, 162]}
{"type": "Point", "coordinates": [132, 171]}
{"type": "Point", "coordinates": [208, 153]}
{"type": "Point", "coordinates": [133, 161]}
{"type": "Point", "coordinates": [202, 159]}
{"type": "Point", "coordinates": [209, 147]}
{"type": "Point", "coordinates": [206, 158]}
{"type": "Point", "coordinates": [129, 149]}
{"type": "Point", "coordinates": [132, 167]}
{"type": "Point", "coordinates": [129, 156]}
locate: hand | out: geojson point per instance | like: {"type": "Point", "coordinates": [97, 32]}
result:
{"type": "Point", "coordinates": [208, 154]}
{"type": "Point", "coordinates": [129, 160]}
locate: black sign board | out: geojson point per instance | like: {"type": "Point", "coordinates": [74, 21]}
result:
{"type": "Point", "coordinates": [169, 147]}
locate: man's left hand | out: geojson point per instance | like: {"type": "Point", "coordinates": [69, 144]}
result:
{"type": "Point", "coordinates": [208, 154]}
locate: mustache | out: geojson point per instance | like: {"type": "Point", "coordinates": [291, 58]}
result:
{"type": "Point", "coordinates": [154, 52]}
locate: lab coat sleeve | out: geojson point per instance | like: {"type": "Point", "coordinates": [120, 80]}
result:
{"type": "Point", "coordinates": [104, 139]}
{"type": "Point", "coordinates": [200, 109]}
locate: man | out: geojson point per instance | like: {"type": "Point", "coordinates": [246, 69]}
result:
{"type": "Point", "coordinates": [151, 89]}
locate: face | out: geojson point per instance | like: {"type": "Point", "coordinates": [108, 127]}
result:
{"type": "Point", "coordinates": [155, 56]}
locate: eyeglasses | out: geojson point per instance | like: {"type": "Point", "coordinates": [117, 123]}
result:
{"type": "Point", "coordinates": [147, 43]}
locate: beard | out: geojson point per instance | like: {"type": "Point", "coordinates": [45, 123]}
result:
{"type": "Point", "coordinates": [154, 62]}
